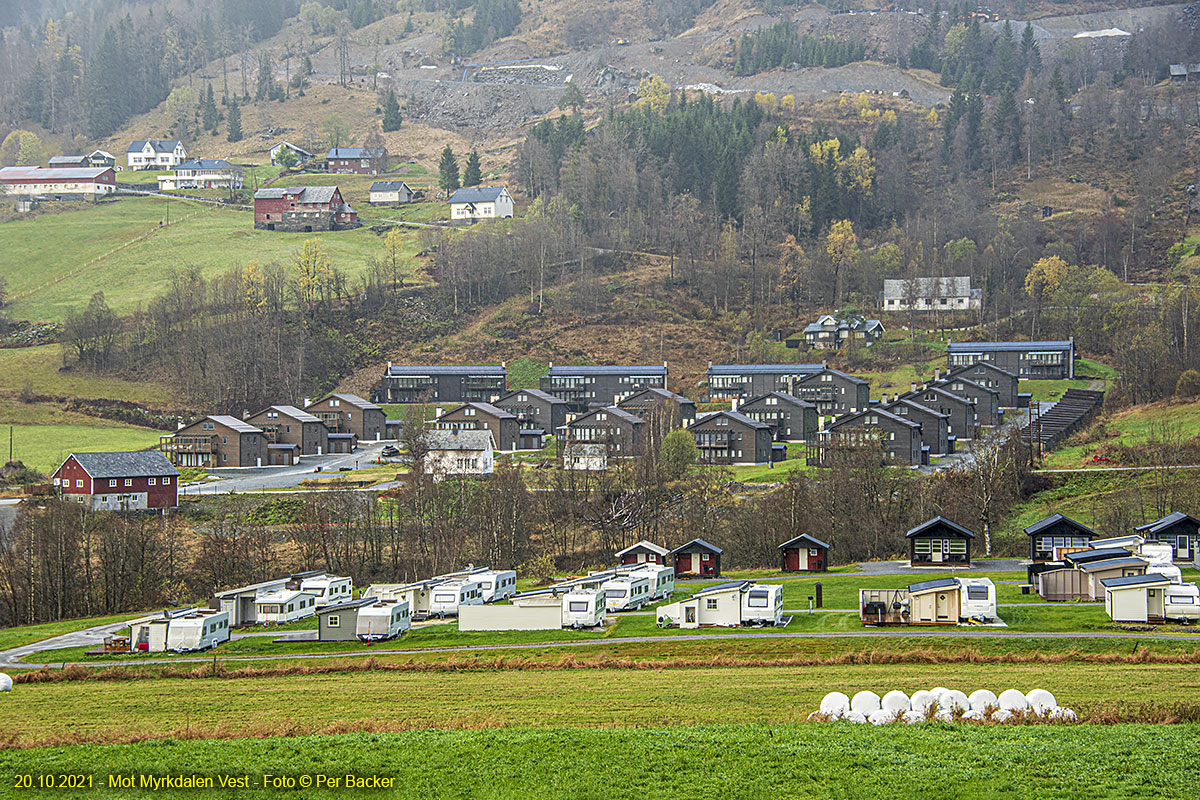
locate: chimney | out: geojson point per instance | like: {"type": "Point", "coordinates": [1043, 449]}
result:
{"type": "Point", "coordinates": [389, 366]}
{"type": "Point", "coordinates": [503, 365]}
{"type": "Point", "coordinates": [179, 425]}
{"type": "Point", "coordinates": [733, 404]}
{"type": "Point", "coordinates": [912, 387]}
{"type": "Point", "coordinates": [937, 374]}
{"type": "Point", "coordinates": [307, 402]}
{"type": "Point", "coordinates": [245, 413]}
{"type": "Point", "coordinates": [824, 364]}
{"type": "Point", "coordinates": [550, 365]}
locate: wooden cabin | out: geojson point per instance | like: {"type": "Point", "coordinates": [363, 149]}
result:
{"type": "Point", "coordinates": [1084, 582]}
{"type": "Point", "coordinates": [642, 553]}
{"type": "Point", "coordinates": [939, 541]}
{"type": "Point", "coordinates": [803, 554]}
{"type": "Point", "coordinates": [1136, 598]}
{"type": "Point", "coordinates": [1050, 539]}
{"type": "Point", "coordinates": [698, 557]}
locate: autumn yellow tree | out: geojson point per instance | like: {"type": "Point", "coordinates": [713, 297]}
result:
{"type": "Point", "coordinates": [393, 246]}
{"type": "Point", "coordinates": [1043, 279]}
{"type": "Point", "coordinates": [316, 277]}
{"type": "Point", "coordinates": [788, 102]}
{"type": "Point", "coordinates": [654, 93]}
{"type": "Point", "coordinates": [841, 245]}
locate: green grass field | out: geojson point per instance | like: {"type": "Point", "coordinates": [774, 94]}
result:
{"type": "Point", "coordinates": [59, 270]}
{"type": "Point", "coordinates": [44, 447]}
{"type": "Point", "coordinates": [39, 368]}
{"type": "Point", "coordinates": [1132, 427]}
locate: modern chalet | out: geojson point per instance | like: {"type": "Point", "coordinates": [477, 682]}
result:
{"type": "Point", "coordinates": [535, 409]}
{"type": "Point", "coordinates": [1179, 530]}
{"type": "Point", "coordinates": [833, 391]}
{"type": "Point", "coordinates": [960, 411]}
{"type": "Point", "coordinates": [986, 374]}
{"type": "Point", "coordinates": [405, 384]}
{"type": "Point", "coordinates": [216, 441]}
{"type": "Point", "coordinates": [1052, 538]}
{"type": "Point", "coordinates": [681, 411]}
{"type": "Point", "coordinates": [899, 437]}
{"type": "Point", "coordinates": [504, 425]}
{"type": "Point", "coordinates": [288, 425]}
{"type": "Point", "coordinates": [939, 541]}
{"type": "Point", "coordinates": [831, 333]}
{"type": "Point", "coordinates": [985, 399]}
{"type": "Point", "coordinates": [935, 426]}
{"type": "Point", "coordinates": [617, 432]}
{"type": "Point", "coordinates": [727, 437]}
{"type": "Point", "coordinates": [350, 414]}
{"type": "Point", "coordinates": [803, 554]}
{"type": "Point", "coordinates": [741, 381]}
{"type": "Point", "coordinates": [134, 481]}
{"type": "Point", "coordinates": [1053, 360]}
{"type": "Point", "coordinates": [583, 387]}
{"type": "Point", "coordinates": [303, 209]}
{"type": "Point", "coordinates": [789, 418]}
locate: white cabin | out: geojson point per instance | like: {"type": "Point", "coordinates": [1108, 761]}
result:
{"type": "Point", "coordinates": [496, 584]}
{"type": "Point", "coordinates": [762, 604]}
{"type": "Point", "coordinates": [626, 593]}
{"type": "Point", "coordinates": [662, 579]}
{"type": "Point", "coordinates": [329, 590]}
{"type": "Point", "coordinates": [724, 605]}
{"type": "Point", "coordinates": [1136, 598]}
{"type": "Point", "coordinates": [480, 202]}
{"type": "Point", "coordinates": [447, 597]}
{"type": "Point", "coordinates": [284, 606]}
{"type": "Point", "coordinates": [201, 630]}
{"type": "Point", "coordinates": [386, 619]}
{"type": "Point", "coordinates": [583, 608]}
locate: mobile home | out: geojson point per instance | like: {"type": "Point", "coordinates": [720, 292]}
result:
{"type": "Point", "coordinates": [762, 604]}
{"type": "Point", "coordinates": [329, 590]}
{"type": "Point", "coordinates": [447, 597]}
{"type": "Point", "coordinates": [662, 579]}
{"type": "Point", "coordinates": [496, 585]}
{"type": "Point", "coordinates": [977, 600]}
{"type": "Point", "coordinates": [626, 593]}
{"type": "Point", "coordinates": [417, 595]}
{"type": "Point", "coordinates": [1183, 603]}
{"type": "Point", "coordinates": [1136, 598]}
{"type": "Point", "coordinates": [284, 606]}
{"type": "Point", "coordinates": [725, 605]}
{"type": "Point", "coordinates": [149, 634]}
{"type": "Point", "coordinates": [203, 629]}
{"type": "Point", "coordinates": [339, 622]}
{"type": "Point", "coordinates": [239, 603]}
{"type": "Point", "coordinates": [583, 608]}
{"type": "Point", "coordinates": [385, 619]}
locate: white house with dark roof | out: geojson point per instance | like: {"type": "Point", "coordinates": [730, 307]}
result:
{"type": "Point", "coordinates": [202, 173]}
{"type": "Point", "coordinates": [480, 202]}
{"type": "Point", "coordinates": [390, 193]}
{"type": "Point", "coordinates": [930, 294]}
{"type": "Point", "coordinates": [121, 481]}
{"type": "Point", "coordinates": [155, 154]}
{"type": "Point", "coordinates": [465, 453]}
{"type": "Point", "coordinates": [302, 155]}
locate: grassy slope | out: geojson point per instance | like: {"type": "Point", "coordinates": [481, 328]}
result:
{"type": "Point", "coordinates": [55, 276]}
{"type": "Point", "coordinates": [1130, 427]}
{"type": "Point", "coordinates": [39, 368]}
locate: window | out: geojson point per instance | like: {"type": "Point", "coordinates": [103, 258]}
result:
{"type": "Point", "coordinates": [333, 621]}
{"type": "Point", "coordinates": [112, 483]}
{"type": "Point", "coordinates": [128, 482]}
{"type": "Point", "coordinates": [711, 604]}
{"type": "Point", "coordinates": [577, 607]}
{"type": "Point", "coordinates": [758, 598]}
{"type": "Point", "coordinates": [152, 482]}
{"type": "Point", "coordinates": [166, 481]}
{"type": "Point", "coordinates": [704, 556]}
{"type": "Point", "coordinates": [78, 483]}
{"type": "Point", "coordinates": [977, 593]}
{"type": "Point", "coordinates": [1181, 600]}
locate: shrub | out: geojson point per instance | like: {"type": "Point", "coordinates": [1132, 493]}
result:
{"type": "Point", "coordinates": [1188, 384]}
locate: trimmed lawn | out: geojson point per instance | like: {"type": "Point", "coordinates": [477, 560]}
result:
{"type": "Point", "coordinates": [1131, 427]}
{"type": "Point", "coordinates": [28, 634]}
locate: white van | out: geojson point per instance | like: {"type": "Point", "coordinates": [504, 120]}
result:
{"type": "Point", "coordinates": [662, 580]}
{"type": "Point", "coordinates": [1182, 603]}
{"type": "Point", "coordinates": [583, 608]}
{"type": "Point", "coordinates": [627, 593]}
{"type": "Point", "coordinates": [445, 598]}
{"type": "Point", "coordinates": [386, 619]}
{"type": "Point", "coordinates": [496, 584]}
{"type": "Point", "coordinates": [762, 604]}
{"type": "Point", "coordinates": [201, 630]}
{"type": "Point", "coordinates": [329, 590]}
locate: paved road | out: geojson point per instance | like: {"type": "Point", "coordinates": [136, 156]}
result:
{"type": "Point", "coordinates": [88, 637]}
{"type": "Point", "coordinates": [253, 479]}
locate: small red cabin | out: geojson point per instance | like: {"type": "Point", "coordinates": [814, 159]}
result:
{"type": "Point", "coordinates": [804, 554]}
{"type": "Point", "coordinates": [643, 553]}
{"type": "Point", "coordinates": [698, 557]}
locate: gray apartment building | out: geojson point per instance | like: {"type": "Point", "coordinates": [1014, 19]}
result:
{"type": "Point", "coordinates": [1034, 360]}
{"type": "Point", "coordinates": [900, 437]}
{"type": "Point", "coordinates": [603, 385]}
{"type": "Point", "coordinates": [1006, 384]}
{"type": "Point", "coordinates": [535, 409]}
{"type": "Point", "coordinates": [480, 383]}
{"type": "Point", "coordinates": [727, 437]}
{"type": "Point", "coordinates": [935, 426]}
{"type": "Point", "coordinates": [789, 418]}
{"type": "Point", "coordinates": [743, 381]}
{"type": "Point", "coordinates": [833, 392]}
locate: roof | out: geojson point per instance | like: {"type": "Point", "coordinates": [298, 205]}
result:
{"type": "Point", "coordinates": [610, 369]}
{"type": "Point", "coordinates": [304, 194]}
{"type": "Point", "coordinates": [657, 393]}
{"type": "Point", "coordinates": [951, 524]}
{"type": "Point", "coordinates": [292, 446]}
{"type": "Point", "coordinates": [984, 347]}
{"type": "Point", "coordinates": [159, 145]}
{"type": "Point", "coordinates": [930, 585]}
{"type": "Point", "coordinates": [1054, 519]}
{"type": "Point", "coordinates": [445, 369]}
{"type": "Point", "coordinates": [486, 408]}
{"type": "Point", "coordinates": [847, 418]}
{"type": "Point", "coordinates": [733, 415]}
{"type": "Point", "coordinates": [135, 464]}
{"type": "Point", "coordinates": [944, 384]}
{"type": "Point", "coordinates": [233, 423]}
{"type": "Point", "coordinates": [728, 586]}
{"type": "Point", "coordinates": [55, 160]}
{"type": "Point", "coordinates": [292, 412]}
{"type": "Point", "coordinates": [280, 595]}
{"type": "Point", "coordinates": [832, 371]}
{"type": "Point", "coordinates": [1126, 581]}
{"type": "Point", "coordinates": [206, 163]}
{"type": "Point", "coordinates": [619, 413]}
{"type": "Point", "coordinates": [850, 325]}
{"type": "Point", "coordinates": [653, 548]}
{"type": "Point", "coordinates": [1081, 556]}
{"type": "Point", "coordinates": [1174, 518]}
{"type": "Point", "coordinates": [700, 543]}
{"type": "Point", "coordinates": [917, 406]}
{"type": "Point", "coordinates": [290, 146]}
{"type": "Point", "coordinates": [984, 364]}
{"type": "Point", "coordinates": [389, 186]}
{"type": "Point", "coordinates": [349, 605]}
{"type": "Point", "coordinates": [784, 396]}
{"type": "Point", "coordinates": [52, 173]}
{"type": "Point", "coordinates": [897, 288]}
{"type": "Point", "coordinates": [477, 194]}
{"type": "Point", "coordinates": [350, 152]}
{"type": "Point", "coordinates": [764, 369]}
{"type": "Point", "coordinates": [1112, 563]}
{"type": "Point", "coordinates": [804, 537]}
{"type": "Point", "coordinates": [460, 440]}
{"type": "Point", "coordinates": [936, 390]}
{"type": "Point", "coordinates": [352, 399]}
{"type": "Point", "coordinates": [538, 393]}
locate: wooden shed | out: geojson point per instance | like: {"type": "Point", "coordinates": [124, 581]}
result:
{"type": "Point", "coordinates": [1050, 539]}
{"type": "Point", "coordinates": [939, 541]}
{"type": "Point", "coordinates": [1084, 581]}
{"type": "Point", "coordinates": [934, 602]}
{"type": "Point", "coordinates": [698, 557]}
{"type": "Point", "coordinates": [803, 554]}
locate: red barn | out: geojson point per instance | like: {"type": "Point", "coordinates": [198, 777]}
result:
{"type": "Point", "coordinates": [303, 209]}
{"type": "Point", "coordinates": [134, 481]}
{"type": "Point", "coordinates": [804, 554]}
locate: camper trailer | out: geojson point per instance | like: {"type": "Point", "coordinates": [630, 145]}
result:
{"type": "Point", "coordinates": [200, 630]}
{"type": "Point", "coordinates": [662, 579]}
{"type": "Point", "coordinates": [583, 608]}
{"type": "Point", "coordinates": [1183, 603]}
{"type": "Point", "coordinates": [497, 584]}
{"type": "Point", "coordinates": [1161, 558]}
{"type": "Point", "coordinates": [762, 604]}
{"type": "Point", "coordinates": [977, 600]}
{"type": "Point", "coordinates": [149, 634]}
{"type": "Point", "coordinates": [626, 593]}
{"type": "Point", "coordinates": [417, 595]}
{"type": "Point", "coordinates": [447, 597]}
{"type": "Point", "coordinates": [284, 606]}
{"type": "Point", "coordinates": [329, 590]}
{"type": "Point", "coordinates": [386, 619]}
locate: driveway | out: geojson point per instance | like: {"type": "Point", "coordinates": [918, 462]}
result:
{"type": "Point", "coordinates": [253, 479]}
{"type": "Point", "coordinates": [902, 567]}
{"type": "Point", "coordinates": [88, 637]}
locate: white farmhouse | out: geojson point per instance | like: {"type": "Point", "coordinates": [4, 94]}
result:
{"type": "Point", "coordinates": [155, 154]}
{"type": "Point", "coordinates": [202, 173]}
{"type": "Point", "coordinates": [473, 203]}
{"type": "Point", "coordinates": [930, 294]}
{"type": "Point", "coordinates": [395, 193]}
{"type": "Point", "coordinates": [460, 452]}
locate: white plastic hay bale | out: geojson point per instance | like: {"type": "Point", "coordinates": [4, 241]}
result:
{"type": "Point", "coordinates": [5, 683]}
{"type": "Point", "coordinates": [835, 704]}
{"type": "Point", "coordinates": [1042, 701]}
{"type": "Point", "coordinates": [912, 717]}
{"type": "Point", "coordinates": [1060, 714]}
{"type": "Point", "coordinates": [944, 715]}
{"type": "Point", "coordinates": [922, 700]}
{"type": "Point", "coordinates": [982, 700]}
{"type": "Point", "coordinates": [895, 701]}
{"type": "Point", "coordinates": [818, 716]}
{"type": "Point", "coordinates": [855, 717]}
{"type": "Point", "coordinates": [865, 702]}
{"type": "Point", "coordinates": [937, 692]}
{"type": "Point", "coordinates": [954, 700]}
{"type": "Point", "coordinates": [880, 717]}
{"type": "Point", "coordinates": [974, 715]}
{"type": "Point", "coordinates": [1013, 700]}
{"type": "Point", "coordinates": [1001, 715]}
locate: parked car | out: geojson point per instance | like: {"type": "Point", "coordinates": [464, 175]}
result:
{"type": "Point", "coordinates": [389, 452]}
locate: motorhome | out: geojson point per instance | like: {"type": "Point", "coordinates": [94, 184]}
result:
{"type": "Point", "coordinates": [283, 606]}
{"type": "Point", "coordinates": [583, 608]}
{"type": "Point", "coordinates": [497, 584]}
{"type": "Point", "coordinates": [626, 593]}
{"type": "Point", "coordinates": [762, 604]}
{"type": "Point", "coordinates": [329, 590]}
{"type": "Point", "coordinates": [200, 630]}
{"type": "Point", "coordinates": [447, 597]}
{"type": "Point", "coordinates": [386, 619]}
{"type": "Point", "coordinates": [417, 595]}
{"type": "Point", "coordinates": [1182, 603]}
{"type": "Point", "coordinates": [662, 579]}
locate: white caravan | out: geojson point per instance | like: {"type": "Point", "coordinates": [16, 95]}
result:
{"type": "Point", "coordinates": [583, 608]}
{"type": "Point", "coordinates": [201, 630]}
{"type": "Point", "coordinates": [386, 619]}
{"type": "Point", "coordinates": [626, 593]}
{"type": "Point", "coordinates": [1161, 559]}
{"type": "Point", "coordinates": [329, 590]}
{"type": "Point", "coordinates": [977, 599]}
{"type": "Point", "coordinates": [762, 604]}
{"type": "Point", "coordinates": [281, 607]}
{"type": "Point", "coordinates": [662, 579]}
{"type": "Point", "coordinates": [1182, 603]}
{"type": "Point", "coordinates": [496, 584]}
{"type": "Point", "coordinates": [445, 598]}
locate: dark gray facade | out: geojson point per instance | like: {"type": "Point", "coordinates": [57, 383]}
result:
{"type": "Point", "coordinates": [1033, 360]}
{"type": "Point", "coordinates": [727, 437]}
{"type": "Point", "coordinates": [483, 383]}
{"type": "Point", "coordinates": [901, 438]}
{"type": "Point", "coordinates": [340, 623]}
{"type": "Point", "coordinates": [935, 426]}
{"type": "Point", "coordinates": [987, 401]}
{"type": "Point", "coordinates": [790, 418]}
{"type": "Point", "coordinates": [743, 381]}
{"type": "Point", "coordinates": [535, 409]}
{"type": "Point", "coordinates": [963, 424]}
{"type": "Point", "coordinates": [617, 431]}
{"type": "Point", "coordinates": [833, 392]}
{"type": "Point", "coordinates": [586, 386]}
{"type": "Point", "coordinates": [505, 428]}
{"type": "Point", "coordinates": [641, 403]}
{"type": "Point", "coordinates": [989, 375]}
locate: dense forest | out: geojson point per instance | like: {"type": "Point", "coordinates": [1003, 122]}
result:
{"type": "Point", "coordinates": [781, 46]}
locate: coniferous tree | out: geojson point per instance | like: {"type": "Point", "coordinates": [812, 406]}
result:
{"type": "Point", "coordinates": [448, 170]}
{"type": "Point", "coordinates": [391, 112]}
{"type": "Point", "coordinates": [209, 116]}
{"type": "Point", "coordinates": [472, 174]}
{"type": "Point", "coordinates": [235, 121]}
{"type": "Point", "coordinates": [1031, 56]}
